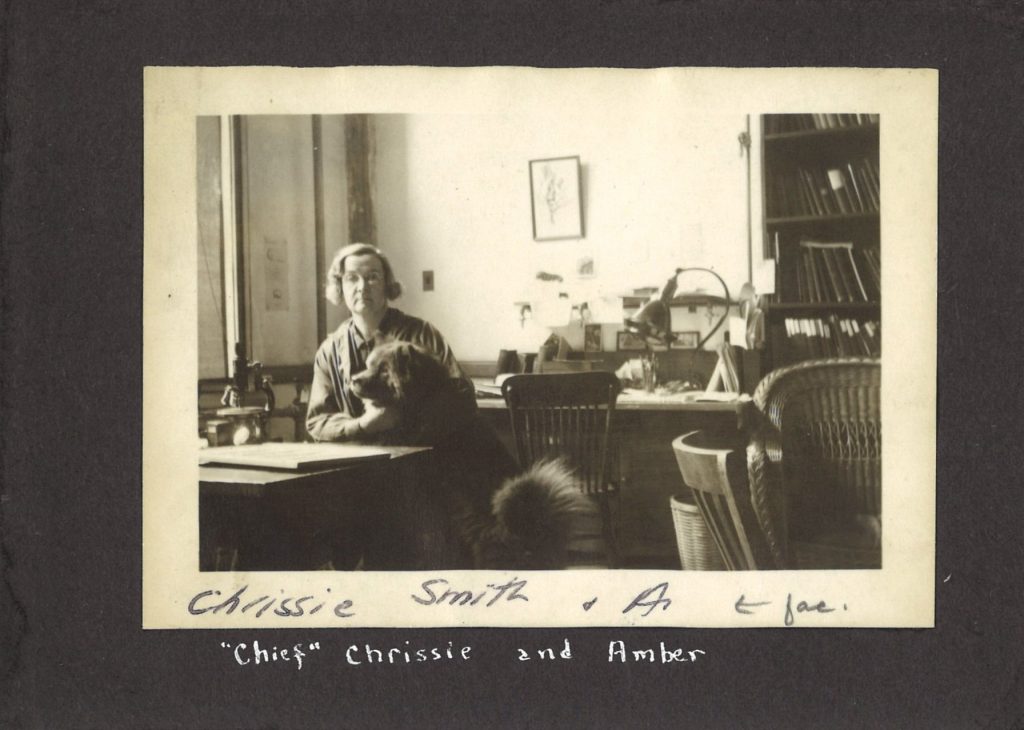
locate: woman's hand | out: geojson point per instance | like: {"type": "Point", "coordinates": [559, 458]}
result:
{"type": "Point", "coordinates": [378, 420]}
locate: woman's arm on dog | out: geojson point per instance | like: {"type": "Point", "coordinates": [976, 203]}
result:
{"type": "Point", "coordinates": [324, 420]}
{"type": "Point", "coordinates": [325, 424]}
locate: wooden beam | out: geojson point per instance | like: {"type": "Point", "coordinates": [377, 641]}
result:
{"type": "Point", "coordinates": [362, 224]}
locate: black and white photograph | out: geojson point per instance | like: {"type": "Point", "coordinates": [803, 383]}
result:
{"type": "Point", "coordinates": [352, 304]}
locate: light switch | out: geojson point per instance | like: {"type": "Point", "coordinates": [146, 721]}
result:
{"type": "Point", "coordinates": [428, 281]}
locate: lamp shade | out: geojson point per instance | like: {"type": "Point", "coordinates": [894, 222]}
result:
{"type": "Point", "coordinates": [653, 323]}
{"type": "Point", "coordinates": [654, 320]}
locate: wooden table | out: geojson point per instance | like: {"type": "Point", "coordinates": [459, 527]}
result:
{"type": "Point", "coordinates": [262, 519]}
{"type": "Point", "coordinates": [645, 426]}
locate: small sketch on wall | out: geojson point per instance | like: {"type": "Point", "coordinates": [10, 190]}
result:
{"type": "Point", "coordinates": [555, 198]}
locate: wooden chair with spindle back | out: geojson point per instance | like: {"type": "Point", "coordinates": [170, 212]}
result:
{"type": "Point", "coordinates": [717, 477]}
{"type": "Point", "coordinates": [569, 416]}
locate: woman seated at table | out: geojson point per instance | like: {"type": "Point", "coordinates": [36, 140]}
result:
{"type": "Point", "coordinates": [396, 526]}
{"type": "Point", "coordinates": [362, 277]}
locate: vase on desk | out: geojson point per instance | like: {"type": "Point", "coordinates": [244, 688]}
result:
{"type": "Point", "coordinates": [649, 367]}
{"type": "Point", "coordinates": [508, 362]}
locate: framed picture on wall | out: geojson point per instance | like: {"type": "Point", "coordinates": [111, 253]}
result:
{"type": "Point", "coordinates": [626, 341]}
{"type": "Point", "coordinates": [686, 340]}
{"type": "Point", "coordinates": [555, 198]}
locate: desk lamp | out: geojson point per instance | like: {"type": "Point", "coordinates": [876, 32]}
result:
{"type": "Point", "coordinates": [653, 323]}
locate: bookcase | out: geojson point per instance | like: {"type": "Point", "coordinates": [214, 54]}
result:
{"type": "Point", "coordinates": [821, 203]}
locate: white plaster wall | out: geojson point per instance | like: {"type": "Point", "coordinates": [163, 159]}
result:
{"type": "Point", "coordinates": [452, 196]}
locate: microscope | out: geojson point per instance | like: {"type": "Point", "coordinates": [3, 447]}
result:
{"type": "Point", "coordinates": [241, 421]}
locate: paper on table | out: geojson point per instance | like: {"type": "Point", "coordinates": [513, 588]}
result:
{"type": "Point", "coordinates": [738, 331]}
{"type": "Point", "coordinates": [700, 396]}
{"type": "Point", "coordinates": [291, 455]}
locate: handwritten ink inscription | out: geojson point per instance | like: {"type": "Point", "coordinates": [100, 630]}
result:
{"type": "Point", "coordinates": [356, 655]}
{"type": "Point", "coordinates": [283, 605]}
{"type": "Point", "coordinates": [253, 603]}
{"type": "Point", "coordinates": [617, 652]}
{"type": "Point", "coordinates": [791, 611]}
{"type": "Point", "coordinates": [256, 655]}
{"type": "Point", "coordinates": [438, 591]}
{"type": "Point", "coordinates": [548, 653]}
{"type": "Point", "coordinates": [650, 599]}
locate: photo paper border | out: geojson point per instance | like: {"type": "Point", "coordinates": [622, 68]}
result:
{"type": "Point", "coordinates": [901, 594]}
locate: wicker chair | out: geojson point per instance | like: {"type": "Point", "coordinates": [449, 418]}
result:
{"type": "Point", "coordinates": [569, 416]}
{"type": "Point", "coordinates": [814, 464]}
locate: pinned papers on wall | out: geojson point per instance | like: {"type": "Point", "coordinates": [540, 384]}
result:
{"type": "Point", "coordinates": [553, 312]}
{"type": "Point", "coordinates": [275, 269]}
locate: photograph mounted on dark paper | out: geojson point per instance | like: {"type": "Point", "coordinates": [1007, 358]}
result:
{"type": "Point", "coordinates": [352, 421]}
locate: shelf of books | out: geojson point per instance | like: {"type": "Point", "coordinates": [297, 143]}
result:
{"type": "Point", "coordinates": [822, 202]}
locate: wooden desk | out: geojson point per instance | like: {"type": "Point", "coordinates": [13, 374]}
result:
{"type": "Point", "coordinates": [261, 519]}
{"type": "Point", "coordinates": [645, 426]}
{"type": "Point", "coordinates": [489, 396]}
{"type": "Point", "coordinates": [254, 482]}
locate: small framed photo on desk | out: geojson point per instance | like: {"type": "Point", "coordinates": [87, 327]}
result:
{"type": "Point", "coordinates": [686, 340]}
{"type": "Point", "coordinates": [626, 341]}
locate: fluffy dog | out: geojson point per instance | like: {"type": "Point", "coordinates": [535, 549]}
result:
{"type": "Point", "coordinates": [503, 518]}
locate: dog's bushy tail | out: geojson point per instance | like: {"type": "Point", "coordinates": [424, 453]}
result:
{"type": "Point", "coordinates": [538, 510]}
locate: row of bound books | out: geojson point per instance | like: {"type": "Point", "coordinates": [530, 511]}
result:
{"type": "Point", "coordinates": [830, 272]}
{"type": "Point", "coordinates": [841, 189]}
{"type": "Point", "coordinates": [778, 123]}
{"type": "Point", "coordinates": [832, 336]}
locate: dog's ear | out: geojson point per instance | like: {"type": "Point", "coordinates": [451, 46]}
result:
{"type": "Point", "coordinates": [400, 356]}
{"type": "Point", "coordinates": [391, 372]}
{"type": "Point", "coordinates": [377, 382]}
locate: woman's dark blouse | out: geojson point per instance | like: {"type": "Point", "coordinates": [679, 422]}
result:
{"type": "Point", "coordinates": [334, 408]}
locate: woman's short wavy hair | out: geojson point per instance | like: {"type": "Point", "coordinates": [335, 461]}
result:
{"type": "Point", "coordinates": [392, 287]}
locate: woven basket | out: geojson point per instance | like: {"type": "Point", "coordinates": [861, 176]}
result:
{"type": "Point", "coordinates": [697, 549]}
